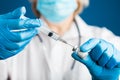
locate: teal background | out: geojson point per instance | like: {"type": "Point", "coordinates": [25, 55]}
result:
{"type": "Point", "coordinates": [102, 13]}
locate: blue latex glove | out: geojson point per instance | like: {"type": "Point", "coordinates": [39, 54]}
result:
{"type": "Point", "coordinates": [102, 61]}
{"type": "Point", "coordinates": [11, 42]}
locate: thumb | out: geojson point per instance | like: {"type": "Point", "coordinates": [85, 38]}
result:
{"type": "Point", "coordinates": [90, 44]}
{"type": "Point", "coordinates": [17, 13]}
{"type": "Point", "coordinates": [87, 60]}
{"type": "Point", "coordinates": [90, 64]}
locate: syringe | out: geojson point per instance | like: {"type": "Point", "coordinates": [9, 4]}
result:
{"type": "Point", "coordinates": [45, 29]}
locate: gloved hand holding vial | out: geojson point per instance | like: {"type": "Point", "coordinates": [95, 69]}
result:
{"type": "Point", "coordinates": [102, 59]}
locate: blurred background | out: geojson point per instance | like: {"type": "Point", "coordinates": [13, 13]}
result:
{"type": "Point", "coordinates": [102, 13]}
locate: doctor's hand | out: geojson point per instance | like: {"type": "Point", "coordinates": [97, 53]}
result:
{"type": "Point", "coordinates": [103, 60]}
{"type": "Point", "coordinates": [12, 38]}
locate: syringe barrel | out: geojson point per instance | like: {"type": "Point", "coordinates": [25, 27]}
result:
{"type": "Point", "coordinates": [49, 32]}
{"type": "Point", "coordinates": [45, 29]}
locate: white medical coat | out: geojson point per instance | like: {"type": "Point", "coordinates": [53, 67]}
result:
{"type": "Point", "coordinates": [50, 59]}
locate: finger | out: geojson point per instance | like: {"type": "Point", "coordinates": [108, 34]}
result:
{"type": "Point", "coordinates": [90, 44]}
{"type": "Point", "coordinates": [114, 60]}
{"type": "Point", "coordinates": [19, 45]}
{"type": "Point", "coordinates": [4, 53]}
{"type": "Point", "coordinates": [22, 44]}
{"type": "Point", "coordinates": [9, 45]}
{"type": "Point", "coordinates": [118, 65]}
{"type": "Point", "coordinates": [13, 24]}
{"type": "Point", "coordinates": [87, 61]}
{"type": "Point", "coordinates": [17, 13]}
{"type": "Point", "coordinates": [107, 54]}
{"type": "Point", "coordinates": [97, 51]}
{"type": "Point", "coordinates": [91, 65]}
{"type": "Point", "coordinates": [111, 63]}
{"type": "Point", "coordinates": [22, 35]}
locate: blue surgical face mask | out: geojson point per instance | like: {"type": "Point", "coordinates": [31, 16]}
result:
{"type": "Point", "coordinates": [56, 10]}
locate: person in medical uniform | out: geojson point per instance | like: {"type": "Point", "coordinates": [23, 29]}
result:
{"type": "Point", "coordinates": [43, 58]}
